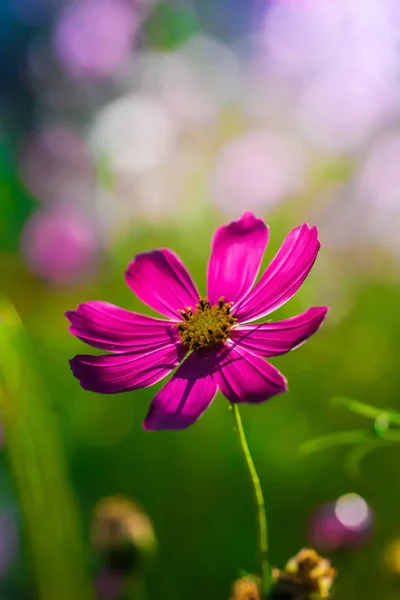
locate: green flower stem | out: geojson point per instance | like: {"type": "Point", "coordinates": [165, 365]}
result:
{"type": "Point", "coordinates": [264, 566]}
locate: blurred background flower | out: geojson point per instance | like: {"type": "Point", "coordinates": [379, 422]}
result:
{"type": "Point", "coordinates": [346, 523]}
{"type": "Point", "coordinates": [131, 124]}
{"type": "Point", "coordinates": [59, 246]}
{"type": "Point", "coordinates": [91, 38]}
{"type": "Point", "coordinates": [122, 535]}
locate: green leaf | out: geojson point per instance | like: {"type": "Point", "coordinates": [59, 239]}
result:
{"type": "Point", "coordinates": [357, 455]}
{"type": "Point", "coordinates": [366, 410]}
{"type": "Point", "coordinates": [381, 424]}
{"type": "Point", "coordinates": [332, 440]}
{"type": "Point", "coordinates": [169, 27]}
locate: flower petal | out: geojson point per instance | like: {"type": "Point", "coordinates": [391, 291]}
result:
{"type": "Point", "coordinates": [116, 373]}
{"type": "Point", "coordinates": [160, 279]}
{"type": "Point", "coordinates": [283, 276]}
{"type": "Point", "coordinates": [273, 339]}
{"type": "Point", "coordinates": [111, 328]}
{"type": "Point", "coordinates": [186, 395]}
{"type": "Point", "coordinates": [243, 377]}
{"type": "Point", "coordinates": [237, 251]}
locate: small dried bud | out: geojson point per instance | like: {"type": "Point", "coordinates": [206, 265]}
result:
{"type": "Point", "coordinates": [246, 588]}
{"type": "Point", "coordinates": [307, 576]}
{"type": "Point", "coordinates": [287, 589]}
{"type": "Point", "coordinates": [122, 534]}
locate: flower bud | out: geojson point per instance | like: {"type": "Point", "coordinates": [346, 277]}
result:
{"type": "Point", "coordinates": [245, 588]}
{"type": "Point", "coordinates": [307, 576]}
{"type": "Point", "coordinates": [123, 535]}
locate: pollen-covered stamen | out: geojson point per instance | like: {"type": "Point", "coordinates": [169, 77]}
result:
{"type": "Point", "coordinates": [206, 325]}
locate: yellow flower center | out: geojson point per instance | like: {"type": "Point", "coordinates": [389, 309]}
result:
{"type": "Point", "coordinates": [206, 325]}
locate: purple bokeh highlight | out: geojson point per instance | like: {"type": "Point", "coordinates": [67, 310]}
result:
{"type": "Point", "coordinates": [93, 37]}
{"type": "Point", "coordinates": [59, 246]}
{"type": "Point", "coordinates": [346, 523]}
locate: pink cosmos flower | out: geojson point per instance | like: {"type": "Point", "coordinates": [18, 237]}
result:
{"type": "Point", "coordinates": [211, 337]}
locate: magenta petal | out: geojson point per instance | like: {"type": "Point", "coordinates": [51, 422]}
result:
{"type": "Point", "coordinates": [237, 251]}
{"type": "Point", "coordinates": [243, 377]}
{"type": "Point", "coordinates": [186, 395]}
{"type": "Point", "coordinates": [123, 372]}
{"type": "Point", "coordinates": [160, 279]}
{"type": "Point", "coordinates": [111, 328]}
{"type": "Point", "coordinates": [283, 276]}
{"type": "Point", "coordinates": [272, 339]}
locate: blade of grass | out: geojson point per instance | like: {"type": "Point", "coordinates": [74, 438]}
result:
{"type": "Point", "coordinates": [38, 467]}
{"type": "Point", "coordinates": [366, 410]}
{"type": "Point", "coordinates": [331, 440]}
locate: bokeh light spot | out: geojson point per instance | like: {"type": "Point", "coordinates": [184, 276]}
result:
{"type": "Point", "coordinates": [136, 133]}
{"type": "Point", "coordinates": [59, 245]}
{"type": "Point", "coordinates": [352, 511]}
{"type": "Point", "coordinates": [392, 556]}
{"type": "Point", "coordinates": [92, 37]}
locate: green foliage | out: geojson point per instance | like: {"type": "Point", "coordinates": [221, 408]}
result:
{"type": "Point", "coordinates": [169, 27]}
{"type": "Point", "coordinates": [362, 440]}
{"type": "Point", "coordinates": [38, 468]}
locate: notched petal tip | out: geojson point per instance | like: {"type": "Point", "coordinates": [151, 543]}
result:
{"type": "Point", "coordinates": [318, 313]}
{"type": "Point", "coordinates": [250, 217]}
{"type": "Point", "coordinates": [73, 314]}
{"type": "Point", "coordinates": [69, 315]}
{"type": "Point", "coordinates": [285, 385]}
{"type": "Point", "coordinates": [78, 370]}
{"type": "Point", "coordinates": [146, 425]}
{"type": "Point", "coordinates": [323, 310]}
{"type": "Point", "coordinates": [143, 256]}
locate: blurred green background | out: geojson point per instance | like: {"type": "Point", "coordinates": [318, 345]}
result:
{"type": "Point", "coordinates": [110, 147]}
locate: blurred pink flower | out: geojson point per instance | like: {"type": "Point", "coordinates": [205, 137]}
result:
{"type": "Point", "coordinates": [59, 246]}
{"type": "Point", "coordinates": [94, 36]}
{"type": "Point", "coordinates": [225, 351]}
{"type": "Point", "coordinates": [345, 523]}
